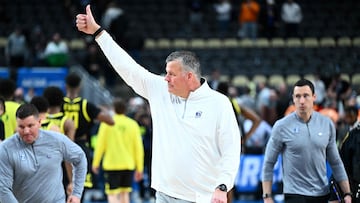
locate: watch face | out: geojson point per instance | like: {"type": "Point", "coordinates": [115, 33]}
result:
{"type": "Point", "coordinates": [222, 187]}
{"type": "Point", "coordinates": [266, 195]}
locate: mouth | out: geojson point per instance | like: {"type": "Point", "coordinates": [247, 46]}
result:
{"type": "Point", "coordinates": [27, 137]}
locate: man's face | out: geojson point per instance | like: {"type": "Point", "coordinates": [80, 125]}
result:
{"type": "Point", "coordinates": [177, 79]}
{"type": "Point", "coordinates": [28, 128]}
{"type": "Point", "coordinates": [303, 99]}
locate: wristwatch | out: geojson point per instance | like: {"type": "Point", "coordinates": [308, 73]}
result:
{"type": "Point", "coordinates": [348, 194]}
{"type": "Point", "coordinates": [222, 187]}
{"type": "Point", "coordinates": [266, 195]}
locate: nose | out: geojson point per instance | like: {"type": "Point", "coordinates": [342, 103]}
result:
{"type": "Point", "coordinates": [26, 130]}
{"type": "Point", "coordinates": [302, 99]}
{"type": "Point", "coordinates": [167, 78]}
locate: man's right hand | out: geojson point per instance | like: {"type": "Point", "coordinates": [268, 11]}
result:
{"type": "Point", "coordinates": [86, 22]}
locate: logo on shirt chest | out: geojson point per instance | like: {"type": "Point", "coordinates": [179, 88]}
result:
{"type": "Point", "coordinates": [198, 114]}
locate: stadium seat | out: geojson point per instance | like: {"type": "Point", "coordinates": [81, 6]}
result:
{"type": "Point", "coordinates": [246, 43]}
{"type": "Point", "coordinates": [76, 44]}
{"type": "Point", "coordinates": [291, 79]}
{"type": "Point", "coordinates": [277, 42]}
{"type": "Point", "coordinates": [214, 43]}
{"type": "Point", "coordinates": [294, 42]}
{"type": "Point", "coordinates": [150, 43]}
{"type": "Point", "coordinates": [275, 80]}
{"type": "Point", "coordinates": [180, 43]}
{"type": "Point", "coordinates": [197, 43]}
{"type": "Point", "coordinates": [355, 80]}
{"type": "Point", "coordinates": [240, 80]}
{"type": "Point", "coordinates": [310, 42]}
{"type": "Point", "coordinates": [163, 43]}
{"type": "Point", "coordinates": [356, 41]}
{"type": "Point", "coordinates": [310, 76]}
{"type": "Point", "coordinates": [231, 42]}
{"type": "Point", "coordinates": [3, 41]}
{"type": "Point", "coordinates": [327, 42]}
{"type": "Point", "coordinates": [344, 42]}
{"type": "Point", "coordinates": [257, 78]}
{"type": "Point", "coordinates": [262, 43]}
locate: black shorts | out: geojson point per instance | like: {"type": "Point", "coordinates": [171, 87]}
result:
{"type": "Point", "coordinates": [118, 181]}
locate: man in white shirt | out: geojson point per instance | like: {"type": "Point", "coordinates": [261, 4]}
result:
{"type": "Point", "coordinates": [291, 14]}
{"type": "Point", "coordinates": [196, 139]}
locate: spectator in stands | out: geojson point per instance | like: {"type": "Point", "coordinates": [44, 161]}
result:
{"type": "Point", "coordinates": [16, 51]}
{"type": "Point", "coordinates": [291, 15]}
{"type": "Point", "coordinates": [111, 13]}
{"type": "Point", "coordinates": [134, 41]}
{"type": "Point", "coordinates": [37, 44]}
{"type": "Point", "coordinates": [214, 79]}
{"type": "Point", "coordinates": [246, 99]}
{"type": "Point", "coordinates": [339, 91]}
{"type": "Point", "coordinates": [266, 102]}
{"type": "Point", "coordinates": [248, 19]}
{"type": "Point", "coordinates": [269, 19]}
{"type": "Point", "coordinates": [283, 99]}
{"type": "Point", "coordinates": [330, 111]}
{"type": "Point", "coordinates": [19, 95]}
{"type": "Point", "coordinates": [202, 124]}
{"type": "Point", "coordinates": [56, 52]}
{"type": "Point", "coordinates": [306, 140]}
{"type": "Point", "coordinates": [223, 10]}
{"type": "Point", "coordinates": [195, 9]}
{"type": "Point", "coordinates": [30, 93]}
{"type": "Point", "coordinates": [320, 90]}
{"type": "Point", "coordinates": [94, 62]}
{"type": "Point", "coordinates": [7, 91]}
{"type": "Point", "coordinates": [116, 22]}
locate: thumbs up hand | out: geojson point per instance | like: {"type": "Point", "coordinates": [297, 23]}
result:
{"type": "Point", "coordinates": [86, 22]}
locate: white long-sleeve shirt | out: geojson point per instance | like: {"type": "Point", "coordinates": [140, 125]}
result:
{"type": "Point", "coordinates": [196, 141]}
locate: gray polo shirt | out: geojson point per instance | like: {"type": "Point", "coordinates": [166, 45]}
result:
{"type": "Point", "coordinates": [305, 148]}
{"type": "Point", "coordinates": [33, 172]}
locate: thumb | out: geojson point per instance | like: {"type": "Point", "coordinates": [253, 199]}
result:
{"type": "Point", "coordinates": [88, 11]}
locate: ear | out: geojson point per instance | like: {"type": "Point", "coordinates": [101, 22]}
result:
{"type": "Point", "coordinates": [190, 75]}
{"type": "Point", "coordinates": [314, 96]}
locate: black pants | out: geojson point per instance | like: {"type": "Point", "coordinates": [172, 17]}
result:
{"type": "Point", "coordinates": [293, 198]}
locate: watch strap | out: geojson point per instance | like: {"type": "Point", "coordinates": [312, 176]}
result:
{"type": "Point", "coordinates": [266, 195]}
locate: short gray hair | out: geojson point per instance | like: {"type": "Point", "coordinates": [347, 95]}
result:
{"type": "Point", "coordinates": [189, 61]}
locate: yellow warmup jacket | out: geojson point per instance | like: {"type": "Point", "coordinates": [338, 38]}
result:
{"type": "Point", "coordinates": [9, 118]}
{"type": "Point", "coordinates": [119, 146]}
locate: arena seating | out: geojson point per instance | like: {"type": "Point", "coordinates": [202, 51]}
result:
{"type": "Point", "coordinates": [328, 40]}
